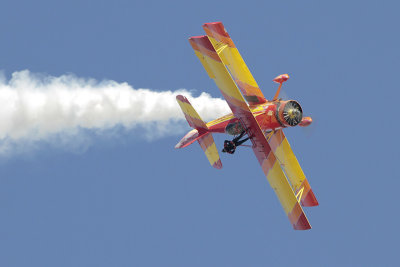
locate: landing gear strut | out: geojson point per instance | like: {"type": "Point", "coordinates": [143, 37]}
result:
{"type": "Point", "coordinates": [230, 146]}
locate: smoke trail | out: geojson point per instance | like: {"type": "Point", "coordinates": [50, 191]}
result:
{"type": "Point", "coordinates": [36, 108]}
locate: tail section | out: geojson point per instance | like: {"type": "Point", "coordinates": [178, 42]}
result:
{"type": "Point", "coordinates": [189, 138]}
{"type": "Point", "coordinates": [191, 115]}
{"type": "Point", "coordinates": [200, 133]}
{"type": "Point", "coordinates": [210, 149]}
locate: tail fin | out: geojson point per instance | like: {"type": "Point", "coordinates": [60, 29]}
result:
{"type": "Point", "coordinates": [191, 115]}
{"type": "Point", "coordinates": [200, 133]}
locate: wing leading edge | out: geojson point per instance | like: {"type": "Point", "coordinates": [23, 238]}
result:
{"type": "Point", "coordinates": [218, 72]}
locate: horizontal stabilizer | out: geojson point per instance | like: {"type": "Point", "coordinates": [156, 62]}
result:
{"type": "Point", "coordinates": [210, 149]}
{"type": "Point", "coordinates": [189, 138]}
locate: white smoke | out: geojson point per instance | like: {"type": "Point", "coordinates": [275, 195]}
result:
{"type": "Point", "coordinates": [36, 108]}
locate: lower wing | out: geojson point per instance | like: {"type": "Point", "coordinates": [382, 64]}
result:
{"type": "Point", "coordinates": [282, 150]}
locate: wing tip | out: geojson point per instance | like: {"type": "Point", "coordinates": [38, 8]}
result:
{"type": "Point", "coordinates": [216, 27]}
{"type": "Point", "coordinates": [182, 99]}
{"type": "Point", "coordinates": [298, 218]}
{"type": "Point", "coordinates": [217, 164]}
{"type": "Point", "coordinates": [302, 223]}
{"type": "Point", "coordinates": [201, 40]}
{"type": "Point", "coordinates": [309, 200]}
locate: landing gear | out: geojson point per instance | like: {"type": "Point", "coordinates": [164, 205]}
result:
{"type": "Point", "coordinates": [230, 146]}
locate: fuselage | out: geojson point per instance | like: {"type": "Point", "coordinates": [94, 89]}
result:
{"type": "Point", "coordinates": [271, 115]}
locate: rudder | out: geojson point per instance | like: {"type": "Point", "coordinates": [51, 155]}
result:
{"type": "Point", "coordinates": [191, 115]}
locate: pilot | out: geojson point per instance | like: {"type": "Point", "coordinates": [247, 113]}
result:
{"type": "Point", "coordinates": [230, 146]}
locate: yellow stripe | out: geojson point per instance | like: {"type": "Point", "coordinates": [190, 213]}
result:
{"type": "Point", "coordinates": [258, 108]}
{"type": "Point", "coordinates": [285, 155]}
{"type": "Point", "coordinates": [205, 64]}
{"type": "Point", "coordinates": [231, 57]}
{"type": "Point", "coordinates": [282, 188]}
{"type": "Point", "coordinates": [221, 77]}
{"type": "Point", "coordinates": [220, 120]}
{"type": "Point", "coordinates": [212, 154]}
{"type": "Point", "coordinates": [188, 109]}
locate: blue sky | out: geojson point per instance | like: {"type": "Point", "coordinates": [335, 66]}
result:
{"type": "Point", "coordinates": [126, 201]}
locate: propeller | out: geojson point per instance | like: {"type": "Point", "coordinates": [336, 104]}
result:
{"type": "Point", "coordinates": [292, 113]}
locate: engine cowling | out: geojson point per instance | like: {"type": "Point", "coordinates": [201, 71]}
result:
{"type": "Point", "coordinates": [289, 113]}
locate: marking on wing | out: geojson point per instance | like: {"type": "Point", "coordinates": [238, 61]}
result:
{"type": "Point", "coordinates": [221, 48]}
{"type": "Point", "coordinates": [299, 194]}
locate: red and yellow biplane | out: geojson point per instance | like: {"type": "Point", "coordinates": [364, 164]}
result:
{"type": "Point", "coordinates": [253, 116]}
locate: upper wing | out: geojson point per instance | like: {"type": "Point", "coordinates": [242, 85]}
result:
{"type": "Point", "coordinates": [271, 167]}
{"type": "Point", "coordinates": [231, 58]}
{"type": "Point", "coordinates": [288, 160]}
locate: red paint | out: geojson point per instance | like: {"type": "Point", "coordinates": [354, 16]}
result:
{"type": "Point", "coordinates": [203, 45]}
{"type": "Point", "coordinates": [250, 93]}
{"type": "Point", "coordinates": [305, 121]}
{"type": "Point", "coordinates": [218, 164]}
{"type": "Point", "coordinates": [206, 141]}
{"type": "Point", "coordinates": [302, 223]}
{"type": "Point", "coordinates": [217, 27]}
{"type": "Point", "coordinates": [267, 119]}
{"type": "Point", "coordinates": [281, 78]}
{"type": "Point", "coordinates": [182, 99]}
{"type": "Point", "coordinates": [188, 139]}
{"type": "Point", "coordinates": [309, 200]}
{"type": "Point", "coordinates": [201, 41]}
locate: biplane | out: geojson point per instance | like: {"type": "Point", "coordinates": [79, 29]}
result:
{"type": "Point", "coordinates": [253, 118]}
